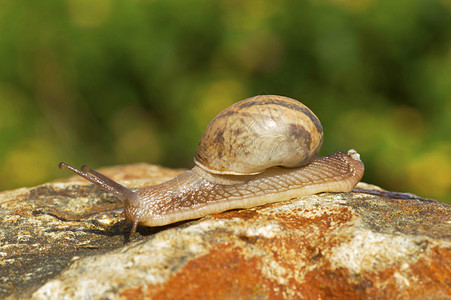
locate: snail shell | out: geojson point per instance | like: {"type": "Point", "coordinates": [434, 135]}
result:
{"type": "Point", "coordinates": [258, 133]}
{"type": "Point", "coordinates": [257, 151]}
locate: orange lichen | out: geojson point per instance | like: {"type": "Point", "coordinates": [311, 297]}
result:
{"type": "Point", "coordinates": [223, 273]}
{"type": "Point", "coordinates": [294, 263]}
{"type": "Point", "coordinates": [426, 278]}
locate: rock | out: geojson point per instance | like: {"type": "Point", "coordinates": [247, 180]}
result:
{"type": "Point", "coordinates": [62, 240]}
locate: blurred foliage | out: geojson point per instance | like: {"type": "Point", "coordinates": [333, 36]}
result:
{"type": "Point", "coordinates": [111, 82]}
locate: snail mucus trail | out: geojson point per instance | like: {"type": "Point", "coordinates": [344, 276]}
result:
{"type": "Point", "coordinates": [257, 151]}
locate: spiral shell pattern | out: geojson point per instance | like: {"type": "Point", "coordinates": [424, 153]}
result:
{"type": "Point", "coordinates": [259, 133]}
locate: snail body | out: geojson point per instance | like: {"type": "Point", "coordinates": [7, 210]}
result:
{"type": "Point", "coordinates": [257, 151]}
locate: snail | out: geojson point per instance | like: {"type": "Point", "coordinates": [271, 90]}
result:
{"type": "Point", "coordinates": [257, 151]}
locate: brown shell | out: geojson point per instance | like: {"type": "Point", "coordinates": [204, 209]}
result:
{"type": "Point", "coordinates": [258, 133]}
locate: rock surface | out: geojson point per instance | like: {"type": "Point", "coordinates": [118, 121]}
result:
{"type": "Point", "coordinates": [62, 240]}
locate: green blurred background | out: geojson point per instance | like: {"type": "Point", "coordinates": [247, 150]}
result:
{"type": "Point", "coordinates": [108, 82]}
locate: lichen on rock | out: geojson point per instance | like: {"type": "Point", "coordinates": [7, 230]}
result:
{"type": "Point", "coordinates": [62, 239]}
